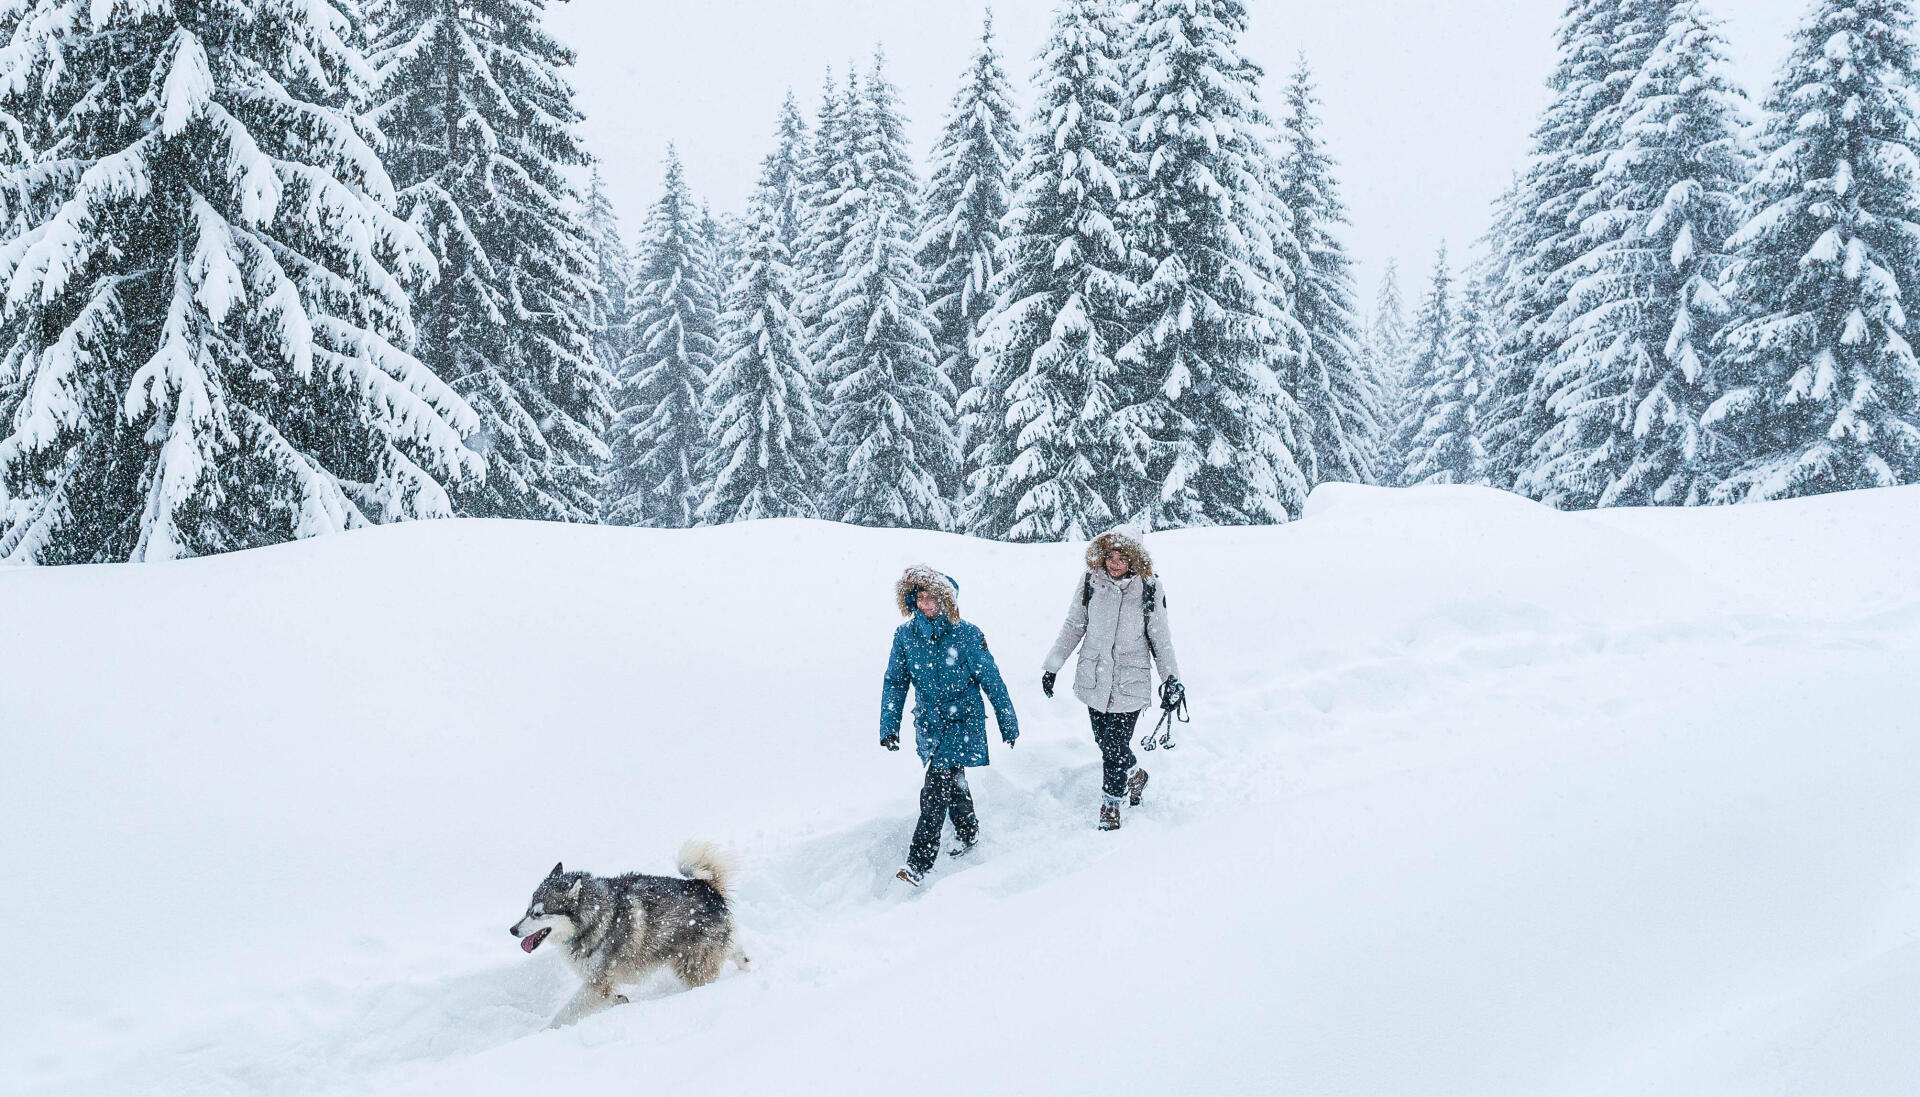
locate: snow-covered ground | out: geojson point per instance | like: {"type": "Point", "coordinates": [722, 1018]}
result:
{"type": "Point", "coordinates": [1478, 799]}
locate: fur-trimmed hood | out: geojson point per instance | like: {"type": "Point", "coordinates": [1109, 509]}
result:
{"type": "Point", "coordinates": [920, 577]}
{"type": "Point", "coordinates": [1129, 540]}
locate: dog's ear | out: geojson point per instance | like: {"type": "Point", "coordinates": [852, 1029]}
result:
{"type": "Point", "coordinates": [574, 891]}
{"type": "Point", "coordinates": [558, 870]}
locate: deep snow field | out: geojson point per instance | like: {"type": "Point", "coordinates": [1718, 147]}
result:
{"type": "Point", "coordinates": [1478, 800]}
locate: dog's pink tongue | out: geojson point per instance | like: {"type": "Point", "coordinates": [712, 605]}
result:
{"type": "Point", "coordinates": [532, 940]}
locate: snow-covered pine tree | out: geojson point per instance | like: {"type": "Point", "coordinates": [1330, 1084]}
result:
{"type": "Point", "coordinates": [786, 178]}
{"type": "Point", "coordinates": [613, 268]}
{"type": "Point", "coordinates": [1328, 380]}
{"type": "Point", "coordinates": [16, 203]}
{"type": "Point", "coordinates": [1601, 46]}
{"type": "Point", "coordinates": [1516, 412]}
{"type": "Point", "coordinates": [660, 431]}
{"type": "Point", "coordinates": [1628, 388]}
{"type": "Point", "coordinates": [832, 185]}
{"type": "Point", "coordinates": [481, 124]}
{"type": "Point", "coordinates": [1386, 346]}
{"type": "Point", "coordinates": [1821, 389]}
{"type": "Point", "coordinates": [726, 246]}
{"type": "Point", "coordinates": [1433, 329]}
{"type": "Point", "coordinates": [205, 328]}
{"type": "Point", "coordinates": [886, 172]}
{"type": "Point", "coordinates": [891, 443]}
{"type": "Point", "coordinates": [1445, 447]}
{"type": "Point", "coordinates": [1206, 429]}
{"type": "Point", "coordinates": [967, 196]}
{"type": "Point", "coordinates": [765, 450]}
{"type": "Point", "coordinates": [1043, 452]}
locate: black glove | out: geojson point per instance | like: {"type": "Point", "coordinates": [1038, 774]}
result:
{"type": "Point", "coordinates": [891, 742]}
{"type": "Point", "coordinates": [1046, 682]}
{"type": "Point", "coordinates": [1173, 695]}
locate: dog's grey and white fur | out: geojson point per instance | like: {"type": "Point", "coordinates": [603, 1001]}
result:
{"type": "Point", "coordinates": [616, 930]}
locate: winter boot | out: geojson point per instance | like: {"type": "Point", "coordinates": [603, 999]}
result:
{"type": "Point", "coordinates": [1136, 786]}
{"type": "Point", "coordinates": [1110, 814]}
{"type": "Point", "coordinates": [910, 874]}
{"type": "Point", "coordinates": [963, 846]}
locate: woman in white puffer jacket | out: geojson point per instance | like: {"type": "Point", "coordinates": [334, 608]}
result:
{"type": "Point", "coordinates": [1120, 640]}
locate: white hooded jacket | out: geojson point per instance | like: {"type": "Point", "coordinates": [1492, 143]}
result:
{"type": "Point", "coordinates": [1118, 641]}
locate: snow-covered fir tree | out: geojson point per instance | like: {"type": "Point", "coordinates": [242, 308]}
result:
{"type": "Point", "coordinates": [881, 150]}
{"type": "Point", "coordinates": [891, 444]}
{"type": "Point", "coordinates": [1043, 452]}
{"type": "Point", "coordinates": [968, 194]}
{"type": "Point", "coordinates": [480, 125]}
{"type": "Point", "coordinates": [1628, 387]}
{"type": "Point", "coordinates": [660, 432]}
{"type": "Point", "coordinates": [764, 450]}
{"type": "Point", "coordinates": [726, 246]}
{"type": "Point", "coordinates": [613, 268]}
{"type": "Point", "coordinates": [1328, 380]}
{"type": "Point", "coordinates": [1207, 431]}
{"type": "Point", "coordinates": [1516, 410]}
{"type": "Point", "coordinates": [1821, 391]}
{"type": "Point", "coordinates": [1445, 446]}
{"type": "Point", "coordinates": [1386, 348]}
{"type": "Point", "coordinates": [1433, 329]}
{"type": "Point", "coordinates": [832, 189]}
{"type": "Point", "coordinates": [1601, 47]}
{"type": "Point", "coordinates": [786, 178]}
{"type": "Point", "coordinates": [206, 335]}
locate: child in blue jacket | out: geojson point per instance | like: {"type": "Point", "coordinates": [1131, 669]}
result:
{"type": "Point", "coordinates": [947, 663]}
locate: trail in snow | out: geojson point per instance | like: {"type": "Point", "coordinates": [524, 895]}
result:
{"type": "Point", "coordinates": [1602, 748]}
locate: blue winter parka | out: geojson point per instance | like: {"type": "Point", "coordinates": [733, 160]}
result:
{"type": "Point", "coordinates": [947, 663]}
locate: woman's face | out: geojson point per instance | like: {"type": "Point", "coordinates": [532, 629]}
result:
{"type": "Point", "coordinates": [927, 604]}
{"type": "Point", "coordinates": [1117, 565]}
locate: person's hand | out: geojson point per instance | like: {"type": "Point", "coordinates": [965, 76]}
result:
{"type": "Point", "coordinates": [891, 742]}
{"type": "Point", "coordinates": [1046, 682]}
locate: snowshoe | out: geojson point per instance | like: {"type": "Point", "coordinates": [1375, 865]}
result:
{"type": "Point", "coordinates": [963, 846]}
{"type": "Point", "coordinates": [909, 874]}
{"type": "Point", "coordinates": [1136, 787]}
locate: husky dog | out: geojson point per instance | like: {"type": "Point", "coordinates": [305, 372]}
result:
{"type": "Point", "coordinates": [618, 929]}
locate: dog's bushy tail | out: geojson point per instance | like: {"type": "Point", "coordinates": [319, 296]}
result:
{"type": "Point", "coordinates": [705, 861]}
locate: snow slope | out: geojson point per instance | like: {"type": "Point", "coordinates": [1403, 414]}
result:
{"type": "Point", "coordinates": [1478, 799]}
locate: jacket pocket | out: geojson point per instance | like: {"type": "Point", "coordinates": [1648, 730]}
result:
{"type": "Point", "coordinates": [1086, 675]}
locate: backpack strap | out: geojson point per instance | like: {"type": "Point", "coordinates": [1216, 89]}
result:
{"type": "Point", "coordinates": [1149, 594]}
{"type": "Point", "coordinates": [1086, 589]}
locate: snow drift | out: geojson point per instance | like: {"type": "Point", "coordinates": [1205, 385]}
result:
{"type": "Point", "coordinates": [1478, 799]}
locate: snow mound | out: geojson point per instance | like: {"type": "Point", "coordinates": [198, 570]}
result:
{"type": "Point", "coordinates": [1478, 799]}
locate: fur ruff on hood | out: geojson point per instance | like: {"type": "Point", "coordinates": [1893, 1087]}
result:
{"type": "Point", "coordinates": [1130, 541]}
{"type": "Point", "coordinates": [920, 577]}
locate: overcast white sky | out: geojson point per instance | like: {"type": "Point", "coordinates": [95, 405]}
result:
{"type": "Point", "coordinates": [1428, 103]}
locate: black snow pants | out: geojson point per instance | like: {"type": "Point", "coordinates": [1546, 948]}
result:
{"type": "Point", "coordinates": [1114, 732]}
{"type": "Point", "coordinates": [944, 793]}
